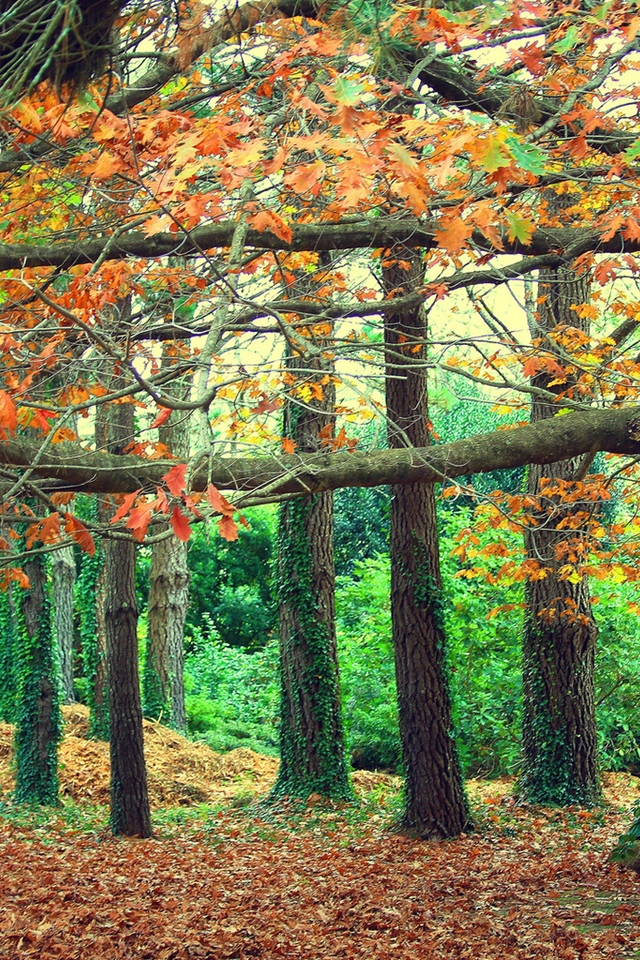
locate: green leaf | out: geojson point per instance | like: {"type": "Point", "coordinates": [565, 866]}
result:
{"type": "Point", "coordinates": [527, 156]}
{"type": "Point", "coordinates": [348, 91]}
{"type": "Point", "coordinates": [519, 229]}
{"type": "Point", "coordinates": [633, 152]}
{"type": "Point", "coordinates": [568, 42]}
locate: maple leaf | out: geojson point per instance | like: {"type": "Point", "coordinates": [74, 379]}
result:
{"type": "Point", "coordinates": [268, 220]}
{"type": "Point", "coordinates": [288, 445]}
{"type": "Point", "coordinates": [125, 506]}
{"type": "Point", "coordinates": [228, 528]}
{"type": "Point", "coordinates": [452, 234]}
{"type": "Point", "coordinates": [80, 534]}
{"type": "Point", "coordinates": [139, 519]}
{"type": "Point", "coordinates": [175, 479]}
{"type": "Point", "coordinates": [219, 503]}
{"type": "Point", "coordinates": [520, 228]}
{"type": "Point", "coordinates": [8, 412]}
{"type": "Point", "coordinates": [106, 165]}
{"type": "Point", "coordinates": [180, 525]}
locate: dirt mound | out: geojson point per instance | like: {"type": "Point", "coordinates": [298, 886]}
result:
{"type": "Point", "coordinates": [183, 773]}
{"type": "Point", "coordinates": [179, 771]}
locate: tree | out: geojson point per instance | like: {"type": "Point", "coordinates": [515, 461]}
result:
{"type": "Point", "coordinates": [38, 720]}
{"type": "Point", "coordinates": [435, 804]}
{"type": "Point", "coordinates": [63, 572]}
{"type": "Point", "coordinates": [312, 756]}
{"type": "Point", "coordinates": [559, 740]}
{"type": "Point", "coordinates": [163, 678]}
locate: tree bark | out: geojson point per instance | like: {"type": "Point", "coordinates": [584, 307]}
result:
{"type": "Point", "coordinates": [39, 724]}
{"type": "Point", "coordinates": [163, 679]}
{"type": "Point", "coordinates": [312, 759]}
{"type": "Point", "coordinates": [435, 803]}
{"type": "Point", "coordinates": [559, 739]}
{"type": "Point", "coordinates": [63, 569]}
{"type": "Point", "coordinates": [130, 814]}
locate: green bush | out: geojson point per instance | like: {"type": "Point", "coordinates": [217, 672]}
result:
{"type": "Point", "coordinates": [232, 695]}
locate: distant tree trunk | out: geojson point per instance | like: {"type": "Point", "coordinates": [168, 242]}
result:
{"type": "Point", "coordinates": [435, 803]}
{"type": "Point", "coordinates": [312, 756]}
{"type": "Point", "coordinates": [39, 724]}
{"type": "Point", "coordinates": [560, 763]}
{"type": "Point", "coordinates": [163, 678]}
{"type": "Point", "coordinates": [63, 570]}
{"type": "Point", "coordinates": [90, 590]}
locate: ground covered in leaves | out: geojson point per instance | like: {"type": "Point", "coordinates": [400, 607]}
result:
{"type": "Point", "coordinates": [234, 879]}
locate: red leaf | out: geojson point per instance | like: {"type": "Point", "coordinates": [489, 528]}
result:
{"type": "Point", "coordinates": [175, 479]}
{"type": "Point", "coordinates": [228, 528]}
{"type": "Point", "coordinates": [80, 534]}
{"type": "Point", "coordinates": [139, 520]}
{"type": "Point", "coordinates": [219, 503]}
{"type": "Point", "coordinates": [125, 506]}
{"type": "Point", "coordinates": [162, 417]}
{"type": "Point", "coordinates": [162, 502]}
{"type": "Point", "coordinates": [180, 525]}
{"type": "Point", "coordinates": [268, 220]}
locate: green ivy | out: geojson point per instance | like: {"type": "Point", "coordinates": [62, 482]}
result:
{"type": "Point", "coordinates": [38, 720]}
{"type": "Point", "coordinates": [92, 656]}
{"type": "Point", "coordinates": [8, 660]}
{"type": "Point", "coordinates": [319, 681]}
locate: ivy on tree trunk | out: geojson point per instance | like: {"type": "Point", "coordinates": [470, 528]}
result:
{"type": "Point", "coordinates": [312, 759]}
{"type": "Point", "coordinates": [559, 738]}
{"type": "Point", "coordinates": [38, 721]}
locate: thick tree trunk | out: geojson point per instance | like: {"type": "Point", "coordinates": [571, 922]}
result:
{"type": "Point", "coordinates": [163, 679]}
{"type": "Point", "coordinates": [435, 803]}
{"type": "Point", "coordinates": [63, 570]}
{"type": "Point", "coordinates": [559, 739]}
{"type": "Point", "coordinates": [312, 759]}
{"type": "Point", "coordinates": [39, 724]}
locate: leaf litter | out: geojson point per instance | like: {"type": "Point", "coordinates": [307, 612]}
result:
{"type": "Point", "coordinates": [323, 883]}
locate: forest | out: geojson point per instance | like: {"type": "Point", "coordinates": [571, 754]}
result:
{"type": "Point", "coordinates": [319, 463]}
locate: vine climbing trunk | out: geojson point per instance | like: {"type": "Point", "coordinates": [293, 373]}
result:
{"type": "Point", "coordinates": [435, 803]}
{"type": "Point", "coordinates": [312, 759]}
{"type": "Point", "coordinates": [559, 740]}
{"type": "Point", "coordinates": [163, 678]}
{"type": "Point", "coordinates": [63, 575]}
{"type": "Point", "coordinates": [39, 724]}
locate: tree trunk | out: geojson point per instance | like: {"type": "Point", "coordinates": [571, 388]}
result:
{"type": "Point", "coordinates": [312, 759]}
{"type": "Point", "coordinates": [559, 740]}
{"type": "Point", "coordinates": [39, 724]}
{"type": "Point", "coordinates": [130, 814]}
{"type": "Point", "coordinates": [435, 803]}
{"type": "Point", "coordinates": [63, 569]}
{"type": "Point", "coordinates": [163, 679]}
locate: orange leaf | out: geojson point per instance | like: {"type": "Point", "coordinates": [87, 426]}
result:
{"type": "Point", "coordinates": [219, 503]}
{"type": "Point", "coordinates": [288, 445]}
{"type": "Point", "coordinates": [80, 534]}
{"type": "Point", "coordinates": [125, 506]}
{"type": "Point", "coordinates": [228, 528]}
{"type": "Point", "coordinates": [8, 412]}
{"type": "Point", "coordinates": [180, 525]}
{"type": "Point", "coordinates": [139, 520]}
{"type": "Point", "coordinates": [175, 479]}
{"type": "Point", "coordinates": [452, 234]}
{"type": "Point", "coordinates": [268, 220]}
{"type": "Point", "coordinates": [106, 166]}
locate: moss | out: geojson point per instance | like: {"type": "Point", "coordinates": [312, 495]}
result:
{"type": "Point", "coordinates": [92, 656]}
{"type": "Point", "coordinates": [9, 677]}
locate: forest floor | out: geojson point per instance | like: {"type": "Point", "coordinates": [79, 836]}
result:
{"type": "Point", "coordinates": [228, 878]}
